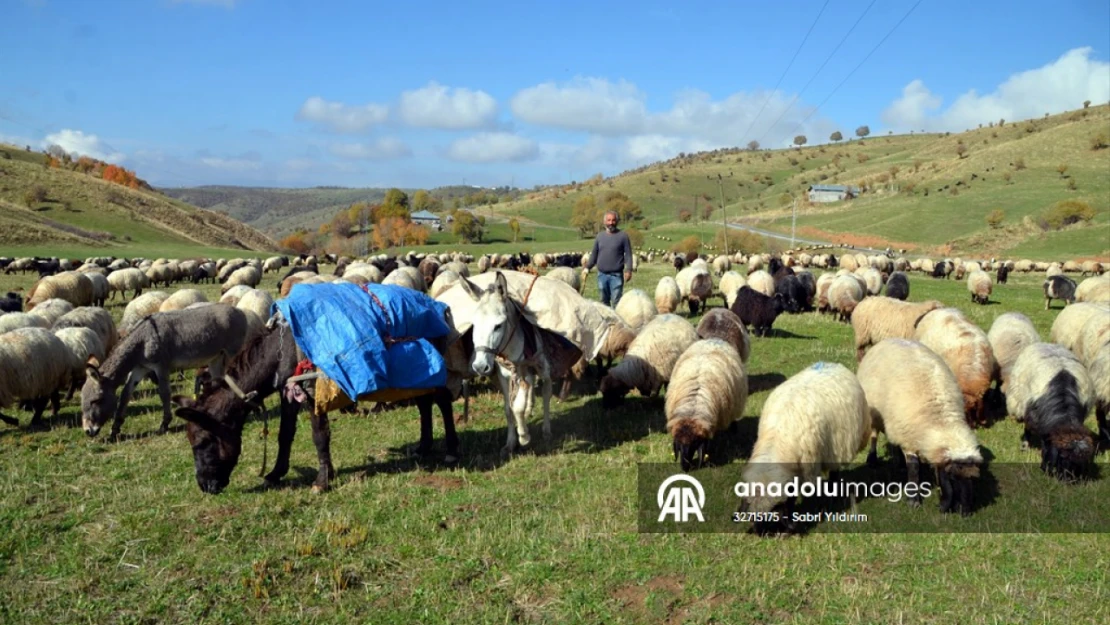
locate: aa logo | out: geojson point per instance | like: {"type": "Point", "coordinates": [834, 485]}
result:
{"type": "Point", "coordinates": [680, 502]}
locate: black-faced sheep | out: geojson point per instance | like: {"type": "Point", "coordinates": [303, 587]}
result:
{"type": "Point", "coordinates": [707, 391]}
{"type": "Point", "coordinates": [667, 295]}
{"type": "Point", "coordinates": [813, 423]}
{"type": "Point", "coordinates": [1050, 392]}
{"type": "Point", "coordinates": [921, 411]}
{"type": "Point", "coordinates": [636, 308]}
{"type": "Point", "coordinates": [879, 318]}
{"type": "Point", "coordinates": [650, 359]}
{"type": "Point", "coordinates": [1009, 335]}
{"type": "Point", "coordinates": [964, 347]}
{"type": "Point", "coordinates": [1003, 273]}
{"type": "Point", "coordinates": [757, 310]}
{"type": "Point", "coordinates": [898, 286]}
{"type": "Point", "coordinates": [32, 368]}
{"type": "Point", "coordinates": [1059, 287]}
{"type": "Point", "coordinates": [979, 285]}
{"type": "Point", "coordinates": [721, 323]}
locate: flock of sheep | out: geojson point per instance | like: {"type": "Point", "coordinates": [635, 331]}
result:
{"type": "Point", "coordinates": [61, 337]}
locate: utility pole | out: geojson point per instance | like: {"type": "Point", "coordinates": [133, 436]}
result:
{"type": "Point", "coordinates": [695, 209]}
{"type": "Point", "coordinates": [724, 221]}
{"type": "Point", "coordinates": [793, 222]}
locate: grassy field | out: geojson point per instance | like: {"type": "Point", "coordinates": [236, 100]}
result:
{"type": "Point", "coordinates": [103, 532]}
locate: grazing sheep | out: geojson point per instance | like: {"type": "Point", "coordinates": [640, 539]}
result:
{"type": "Point", "coordinates": [979, 285]}
{"type": "Point", "coordinates": [1095, 289]}
{"type": "Point", "coordinates": [182, 299]}
{"type": "Point", "coordinates": [809, 288]}
{"type": "Point", "coordinates": [1051, 393]}
{"type": "Point", "coordinates": [16, 320]}
{"type": "Point", "coordinates": [12, 302]}
{"type": "Point", "coordinates": [848, 261]}
{"type": "Point", "coordinates": [94, 318]}
{"type": "Point", "coordinates": [81, 343]}
{"type": "Point", "coordinates": [845, 293]}
{"type": "Point", "coordinates": [706, 393]}
{"type": "Point", "coordinates": [1098, 367]}
{"type": "Point", "coordinates": [813, 423]}
{"type": "Point", "coordinates": [408, 277]}
{"type": "Point", "coordinates": [1009, 335]}
{"type": "Point", "coordinates": [794, 294]}
{"type": "Point", "coordinates": [964, 347]}
{"type": "Point", "coordinates": [757, 310]}
{"type": "Point", "coordinates": [1067, 328]}
{"type": "Point", "coordinates": [100, 288]}
{"type": "Point", "coordinates": [52, 310]}
{"type": "Point", "coordinates": [1092, 337]}
{"type": "Point", "coordinates": [256, 304]}
{"type": "Point", "coordinates": [667, 295]}
{"type": "Point", "coordinates": [460, 268]}
{"type": "Point", "coordinates": [650, 359]}
{"type": "Point", "coordinates": [1054, 270]}
{"type": "Point", "coordinates": [274, 263]}
{"type": "Point", "coordinates": [921, 410]}
{"type": "Point", "coordinates": [139, 308]}
{"type": "Point", "coordinates": [73, 287]}
{"type": "Point", "coordinates": [568, 276]}
{"type": "Point", "coordinates": [234, 293]}
{"type": "Point", "coordinates": [695, 286]}
{"type": "Point", "coordinates": [729, 286]}
{"type": "Point", "coordinates": [823, 284]}
{"type": "Point", "coordinates": [129, 279]}
{"type": "Point", "coordinates": [874, 281]}
{"type": "Point", "coordinates": [636, 308]}
{"type": "Point", "coordinates": [762, 282]}
{"type": "Point", "coordinates": [617, 341]}
{"type": "Point", "coordinates": [724, 324]}
{"type": "Point", "coordinates": [879, 318]}
{"type": "Point", "coordinates": [898, 286]}
{"type": "Point", "coordinates": [369, 272]}
{"type": "Point", "coordinates": [721, 264]}
{"type": "Point", "coordinates": [32, 368]}
{"type": "Point", "coordinates": [248, 275]}
{"type": "Point", "coordinates": [1059, 287]}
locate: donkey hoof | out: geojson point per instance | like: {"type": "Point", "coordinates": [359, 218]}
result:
{"type": "Point", "coordinates": [317, 489]}
{"type": "Point", "coordinates": [451, 459]}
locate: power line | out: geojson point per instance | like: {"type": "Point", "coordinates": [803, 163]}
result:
{"type": "Point", "coordinates": [812, 78]}
{"type": "Point", "coordinates": [860, 64]}
{"type": "Point", "coordinates": [788, 66]}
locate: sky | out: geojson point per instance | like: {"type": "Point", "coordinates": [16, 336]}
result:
{"type": "Point", "coordinates": [290, 93]}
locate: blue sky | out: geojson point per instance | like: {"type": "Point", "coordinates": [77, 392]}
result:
{"type": "Point", "coordinates": [420, 94]}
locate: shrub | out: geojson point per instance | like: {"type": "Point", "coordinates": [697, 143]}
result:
{"type": "Point", "coordinates": [1086, 103]}
{"type": "Point", "coordinates": [894, 169]}
{"type": "Point", "coordinates": [909, 187]}
{"type": "Point", "coordinates": [995, 217]}
{"type": "Point", "coordinates": [1019, 164]}
{"type": "Point", "coordinates": [1072, 186]}
{"type": "Point", "coordinates": [862, 158]}
{"type": "Point", "coordinates": [1007, 176]}
{"type": "Point", "coordinates": [685, 215]}
{"type": "Point", "coordinates": [961, 149]}
{"type": "Point", "coordinates": [687, 245]}
{"type": "Point", "coordinates": [1067, 212]}
{"type": "Point", "coordinates": [635, 237]}
{"type": "Point", "coordinates": [1062, 168]}
{"type": "Point", "coordinates": [1098, 142]}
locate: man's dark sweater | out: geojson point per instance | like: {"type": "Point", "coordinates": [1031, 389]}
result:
{"type": "Point", "coordinates": [612, 252]}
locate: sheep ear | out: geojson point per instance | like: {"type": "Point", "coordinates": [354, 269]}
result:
{"type": "Point", "coordinates": [92, 368]}
{"type": "Point", "coordinates": [471, 289]}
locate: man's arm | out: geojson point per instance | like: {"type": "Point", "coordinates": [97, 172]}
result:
{"type": "Point", "coordinates": [627, 245]}
{"type": "Point", "coordinates": [593, 256]}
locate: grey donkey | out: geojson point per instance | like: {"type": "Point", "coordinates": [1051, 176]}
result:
{"type": "Point", "coordinates": [160, 344]}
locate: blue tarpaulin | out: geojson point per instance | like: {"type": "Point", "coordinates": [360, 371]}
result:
{"type": "Point", "coordinates": [343, 331]}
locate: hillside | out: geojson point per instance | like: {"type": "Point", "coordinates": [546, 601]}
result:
{"type": "Point", "coordinates": [918, 192]}
{"type": "Point", "coordinates": [58, 211]}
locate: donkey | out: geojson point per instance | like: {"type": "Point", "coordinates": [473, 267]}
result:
{"type": "Point", "coordinates": [216, 419]}
{"type": "Point", "coordinates": [160, 344]}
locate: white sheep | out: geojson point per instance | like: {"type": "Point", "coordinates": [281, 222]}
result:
{"type": "Point", "coordinates": [1098, 367]}
{"type": "Point", "coordinates": [729, 286]}
{"type": "Point", "coordinates": [234, 293]}
{"type": "Point", "coordinates": [567, 275]}
{"type": "Point", "coordinates": [1092, 337]}
{"type": "Point", "coordinates": [274, 263]}
{"type": "Point", "coordinates": [761, 282]}
{"type": "Point", "coordinates": [256, 304]}
{"type": "Point", "coordinates": [964, 347]}
{"type": "Point", "coordinates": [813, 423]}
{"type": "Point", "coordinates": [140, 308]}
{"type": "Point", "coordinates": [721, 264]}
{"type": "Point", "coordinates": [247, 275]}
{"type": "Point", "coordinates": [73, 287]}
{"type": "Point", "coordinates": [33, 367]}
{"type": "Point", "coordinates": [921, 410]}
{"type": "Point", "coordinates": [100, 288]}
{"type": "Point", "coordinates": [81, 343]}
{"type": "Point", "coordinates": [667, 295]}
{"type": "Point", "coordinates": [636, 308]}
{"type": "Point", "coordinates": [1067, 328]}
{"type": "Point", "coordinates": [979, 285]}
{"type": "Point", "coordinates": [445, 280]}
{"type": "Point", "coordinates": [845, 293]}
{"type": "Point", "coordinates": [695, 286]}
{"type": "Point", "coordinates": [872, 279]}
{"type": "Point", "coordinates": [127, 279]}
{"type": "Point", "coordinates": [51, 310]}
{"type": "Point", "coordinates": [1094, 289]}
{"type": "Point", "coordinates": [650, 359]}
{"type": "Point", "coordinates": [16, 320]}
{"type": "Point", "coordinates": [370, 272]}
{"type": "Point", "coordinates": [823, 283]}
{"type": "Point", "coordinates": [878, 318]}
{"type": "Point", "coordinates": [1009, 335]}
{"type": "Point", "coordinates": [94, 318]}
{"type": "Point", "coordinates": [181, 299]}
{"type": "Point", "coordinates": [706, 393]}
{"type": "Point", "coordinates": [1051, 392]}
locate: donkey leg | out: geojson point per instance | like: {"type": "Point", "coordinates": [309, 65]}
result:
{"type": "Point", "coordinates": [446, 410]}
{"type": "Point", "coordinates": [287, 429]}
{"type": "Point", "coordinates": [424, 404]}
{"type": "Point", "coordinates": [520, 404]}
{"type": "Point", "coordinates": [9, 420]}
{"type": "Point", "coordinates": [321, 436]}
{"type": "Point", "coordinates": [511, 442]}
{"type": "Point", "coordinates": [164, 393]}
{"type": "Point", "coordinates": [125, 398]}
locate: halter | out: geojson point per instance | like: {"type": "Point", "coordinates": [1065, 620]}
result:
{"type": "Point", "coordinates": [499, 353]}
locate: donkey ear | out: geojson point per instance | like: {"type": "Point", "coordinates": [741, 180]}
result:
{"type": "Point", "coordinates": [183, 401]}
{"type": "Point", "coordinates": [501, 285]}
{"type": "Point", "coordinates": [471, 289]}
{"type": "Point", "coordinates": [205, 421]}
{"type": "Point", "coordinates": [92, 368]}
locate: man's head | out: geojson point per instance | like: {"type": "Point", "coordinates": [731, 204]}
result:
{"type": "Point", "coordinates": [611, 221]}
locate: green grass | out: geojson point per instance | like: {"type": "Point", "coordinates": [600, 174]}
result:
{"type": "Point", "coordinates": [106, 532]}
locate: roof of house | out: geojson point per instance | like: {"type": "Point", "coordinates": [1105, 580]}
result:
{"type": "Point", "coordinates": [423, 215]}
{"type": "Point", "coordinates": [838, 188]}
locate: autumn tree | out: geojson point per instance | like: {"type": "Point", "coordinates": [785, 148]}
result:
{"type": "Point", "coordinates": [687, 245]}
{"type": "Point", "coordinates": [621, 204]}
{"type": "Point", "coordinates": [995, 217]}
{"type": "Point", "coordinates": [635, 237]}
{"type": "Point", "coordinates": [863, 131]}
{"type": "Point", "coordinates": [800, 140]}
{"type": "Point", "coordinates": [468, 227]}
{"type": "Point", "coordinates": [514, 225]}
{"type": "Point", "coordinates": [357, 212]}
{"type": "Point", "coordinates": [584, 216]}
{"type": "Point", "coordinates": [295, 243]}
{"type": "Point", "coordinates": [684, 215]}
{"type": "Point", "coordinates": [341, 225]}
{"type": "Point", "coordinates": [420, 200]}
{"type": "Point", "coordinates": [836, 136]}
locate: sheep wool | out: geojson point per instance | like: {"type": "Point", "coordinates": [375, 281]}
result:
{"type": "Point", "coordinates": [94, 318]}
{"type": "Point", "coordinates": [762, 282]}
{"type": "Point", "coordinates": [75, 288]}
{"type": "Point", "coordinates": [1067, 328]}
{"type": "Point", "coordinates": [695, 286]}
{"type": "Point", "coordinates": [181, 299]}
{"type": "Point", "coordinates": [979, 285]}
{"type": "Point", "coordinates": [729, 286]}
{"type": "Point", "coordinates": [823, 284]}
{"type": "Point", "coordinates": [845, 293]}
{"type": "Point", "coordinates": [636, 308]}
{"type": "Point", "coordinates": [33, 366]}
{"type": "Point", "coordinates": [721, 323]}
{"type": "Point", "coordinates": [667, 295]}
{"type": "Point", "coordinates": [51, 310]}
{"type": "Point", "coordinates": [651, 357]}
{"type": "Point", "coordinates": [81, 343]}
{"type": "Point", "coordinates": [1009, 335]}
{"type": "Point", "coordinates": [139, 308]}
{"type": "Point", "coordinates": [880, 317]}
{"type": "Point", "coordinates": [707, 392]}
{"type": "Point", "coordinates": [568, 276]}
{"type": "Point", "coordinates": [16, 320]}
{"type": "Point", "coordinates": [966, 350]}
{"type": "Point", "coordinates": [1094, 289]}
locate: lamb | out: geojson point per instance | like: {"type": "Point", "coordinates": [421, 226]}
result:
{"type": "Point", "coordinates": [181, 299]}
{"type": "Point", "coordinates": [707, 392]}
{"type": "Point", "coordinates": [898, 286]}
{"type": "Point", "coordinates": [667, 295]}
{"type": "Point", "coordinates": [757, 310]}
{"type": "Point", "coordinates": [695, 286]}
{"type": "Point", "coordinates": [81, 343]}
{"type": "Point", "coordinates": [966, 350]}
{"type": "Point", "coordinates": [14, 321]}
{"type": "Point", "coordinates": [1051, 393]}
{"type": "Point", "coordinates": [650, 359]}
{"type": "Point", "coordinates": [75, 288]}
{"type": "Point", "coordinates": [32, 368]}
{"type": "Point", "coordinates": [52, 310]}
{"type": "Point", "coordinates": [248, 275]}
{"type": "Point", "coordinates": [979, 285]}
{"type": "Point", "coordinates": [762, 282]}
{"type": "Point", "coordinates": [1095, 289]}
{"type": "Point", "coordinates": [1067, 328]}
{"type": "Point", "coordinates": [878, 318]}
{"type": "Point", "coordinates": [845, 293]}
{"type": "Point", "coordinates": [921, 411]}
{"type": "Point", "coordinates": [636, 308]}
{"type": "Point", "coordinates": [96, 319]}
{"type": "Point", "coordinates": [1059, 287]}
{"type": "Point", "coordinates": [1009, 335]}
{"type": "Point", "coordinates": [139, 308]}
{"type": "Point", "coordinates": [160, 344]}
{"type": "Point", "coordinates": [129, 279]}
{"type": "Point", "coordinates": [724, 324]}
{"type": "Point", "coordinates": [729, 286]}
{"type": "Point", "coordinates": [816, 421]}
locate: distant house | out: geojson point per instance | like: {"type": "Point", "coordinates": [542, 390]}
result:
{"type": "Point", "coordinates": [426, 218]}
{"type": "Point", "coordinates": [832, 193]}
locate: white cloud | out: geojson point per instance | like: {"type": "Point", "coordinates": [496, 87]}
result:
{"type": "Point", "coordinates": [226, 4]}
{"type": "Point", "coordinates": [437, 106]}
{"type": "Point", "coordinates": [586, 104]}
{"type": "Point", "coordinates": [492, 147]}
{"type": "Point", "coordinates": [1058, 86]}
{"type": "Point", "coordinates": [381, 149]}
{"type": "Point", "coordinates": [75, 141]}
{"type": "Point", "coordinates": [231, 164]}
{"type": "Point", "coordinates": [341, 117]}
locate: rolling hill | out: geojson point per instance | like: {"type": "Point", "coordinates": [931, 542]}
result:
{"type": "Point", "coordinates": [61, 212]}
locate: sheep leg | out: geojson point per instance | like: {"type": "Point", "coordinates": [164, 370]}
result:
{"type": "Point", "coordinates": [10, 421]}
{"type": "Point", "coordinates": [125, 398]}
{"type": "Point", "coordinates": [873, 454]}
{"type": "Point", "coordinates": [913, 476]}
{"type": "Point", "coordinates": [1101, 414]}
{"type": "Point", "coordinates": [565, 390]}
{"type": "Point", "coordinates": [164, 393]}
{"type": "Point", "coordinates": [321, 437]}
{"type": "Point", "coordinates": [39, 406]}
